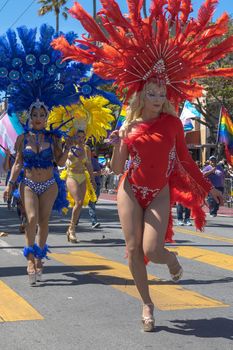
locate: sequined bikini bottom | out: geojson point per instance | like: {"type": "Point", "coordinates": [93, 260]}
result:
{"type": "Point", "coordinates": [38, 187]}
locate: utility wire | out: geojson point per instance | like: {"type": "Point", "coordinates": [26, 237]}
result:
{"type": "Point", "coordinates": [27, 8]}
{"type": "Point", "coordinates": [4, 5]}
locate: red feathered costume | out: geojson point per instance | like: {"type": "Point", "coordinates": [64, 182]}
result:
{"type": "Point", "coordinates": [159, 155]}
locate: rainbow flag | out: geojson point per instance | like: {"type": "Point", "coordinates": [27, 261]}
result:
{"type": "Point", "coordinates": [10, 128]}
{"type": "Point", "coordinates": [225, 134]}
{"type": "Point", "coordinates": [121, 118]}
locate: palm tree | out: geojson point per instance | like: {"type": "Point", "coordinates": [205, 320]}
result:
{"type": "Point", "coordinates": [144, 9]}
{"type": "Point", "coordinates": [53, 5]}
{"type": "Point", "coordinates": [94, 9]}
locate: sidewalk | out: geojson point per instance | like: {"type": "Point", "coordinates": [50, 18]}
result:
{"type": "Point", "coordinates": [222, 210]}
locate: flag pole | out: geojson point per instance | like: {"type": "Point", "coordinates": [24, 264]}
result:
{"type": "Point", "coordinates": [3, 147]}
{"type": "Point", "coordinates": [5, 151]}
{"type": "Point", "coordinates": [219, 122]}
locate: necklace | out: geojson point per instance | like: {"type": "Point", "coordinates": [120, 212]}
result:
{"type": "Point", "coordinates": [37, 133]}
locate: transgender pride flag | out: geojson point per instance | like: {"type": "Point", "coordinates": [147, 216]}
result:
{"type": "Point", "coordinates": [189, 113]}
{"type": "Point", "coordinates": [10, 128]}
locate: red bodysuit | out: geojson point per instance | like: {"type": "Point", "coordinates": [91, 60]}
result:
{"type": "Point", "coordinates": [159, 155]}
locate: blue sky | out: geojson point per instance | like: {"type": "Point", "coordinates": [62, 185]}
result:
{"type": "Point", "coordinates": [11, 11]}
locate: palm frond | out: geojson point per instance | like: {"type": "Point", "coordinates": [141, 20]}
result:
{"type": "Point", "coordinates": [44, 10]}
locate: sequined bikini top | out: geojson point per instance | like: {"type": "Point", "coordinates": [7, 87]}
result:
{"type": "Point", "coordinates": [43, 159]}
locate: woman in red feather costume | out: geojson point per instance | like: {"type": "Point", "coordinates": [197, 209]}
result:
{"type": "Point", "coordinates": [161, 172]}
{"type": "Point", "coordinates": [154, 62]}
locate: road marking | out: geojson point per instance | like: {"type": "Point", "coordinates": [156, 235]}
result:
{"type": "Point", "coordinates": [223, 261]}
{"type": "Point", "coordinates": [9, 250]}
{"type": "Point", "coordinates": [203, 235]}
{"type": "Point", "coordinates": [14, 308]}
{"type": "Point", "coordinates": [165, 296]}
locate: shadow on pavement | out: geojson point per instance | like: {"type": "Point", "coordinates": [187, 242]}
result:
{"type": "Point", "coordinates": [91, 275]}
{"type": "Point", "coordinates": [176, 244]}
{"type": "Point", "coordinates": [21, 270]}
{"type": "Point", "coordinates": [218, 225]}
{"type": "Point", "coordinates": [218, 327]}
{"type": "Point", "coordinates": [89, 278]}
{"type": "Point", "coordinates": [102, 242]}
{"type": "Point", "coordinates": [189, 282]}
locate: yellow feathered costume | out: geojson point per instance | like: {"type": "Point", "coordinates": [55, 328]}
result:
{"type": "Point", "coordinates": [89, 115]}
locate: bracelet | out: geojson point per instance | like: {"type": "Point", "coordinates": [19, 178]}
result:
{"type": "Point", "coordinates": [11, 182]}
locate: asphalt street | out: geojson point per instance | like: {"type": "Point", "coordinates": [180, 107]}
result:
{"type": "Point", "coordinates": [87, 299]}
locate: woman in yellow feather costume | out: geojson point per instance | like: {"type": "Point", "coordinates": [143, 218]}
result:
{"type": "Point", "coordinates": [91, 119]}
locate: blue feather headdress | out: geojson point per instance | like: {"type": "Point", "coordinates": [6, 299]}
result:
{"type": "Point", "coordinates": [31, 70]}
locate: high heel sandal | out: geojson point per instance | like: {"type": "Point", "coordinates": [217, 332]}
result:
{"type": "Point", "coordinates": [22, 228]}
{"type": "Point", "coordinates": [39, 270]}
{"type": "Point", "coordinates": [176, 277]}
{"type": "Point", "coordinates": [71, 236]}
{"type": "Point", "coordinates": [31, 272]}
{"type": "Point", "coordinates": [148, 322]}
{"type": "Point", "coordinates": [32, 278]}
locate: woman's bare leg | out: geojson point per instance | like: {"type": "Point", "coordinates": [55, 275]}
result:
{"type": "Point", "coordinates": [77, 192]}
{"type": "Point", "coordinates": [156, 222]}
{"type": "Point", "coordinates": [46, 201]}
{"type": "Point", "coordinates": [131, 218]}
{"type": "Point", "coordinates": [31, 205]}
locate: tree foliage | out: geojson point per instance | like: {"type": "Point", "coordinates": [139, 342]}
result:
{"type": "Point", "coordinates": [55, 6]}
{"type": "Point", "coordinates": [219, 92]}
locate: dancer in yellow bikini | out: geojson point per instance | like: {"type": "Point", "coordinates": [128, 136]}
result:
{"type": "Point", "coordinates": [80, 180]}
{"type": "Point", "coordinates": [91, 120]}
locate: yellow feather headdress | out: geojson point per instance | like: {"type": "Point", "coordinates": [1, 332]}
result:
{"type": "Point", "coordinates": [90, 115]}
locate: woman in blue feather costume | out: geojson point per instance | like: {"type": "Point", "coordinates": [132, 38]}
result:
{"type": "Point", "coordinates": [36, 152]}
{"type": "Point", "coordinates": [35, 79]}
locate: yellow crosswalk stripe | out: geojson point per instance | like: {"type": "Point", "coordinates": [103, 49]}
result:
{"type": "Point", "coordinates": [203, 235]}
{"type": "Point", "coordinates": [223, 261]}
{"type": "Point", "coordinates": [14, 308]}
{"type": "Point", "coordinates": [165, 296]}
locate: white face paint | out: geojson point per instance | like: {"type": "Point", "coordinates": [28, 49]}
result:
{"type": "Point", "coordinates": [155, 96]}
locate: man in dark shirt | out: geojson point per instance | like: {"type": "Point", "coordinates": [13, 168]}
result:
{"type": "Point", "coordinates": [215, 173]}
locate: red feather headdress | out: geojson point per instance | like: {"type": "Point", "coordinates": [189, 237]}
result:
{"type": "Point", "coordinates": [168, 45]}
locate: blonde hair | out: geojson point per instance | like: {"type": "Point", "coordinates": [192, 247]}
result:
{"type": "Point", "coordinates": [137, 104]}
